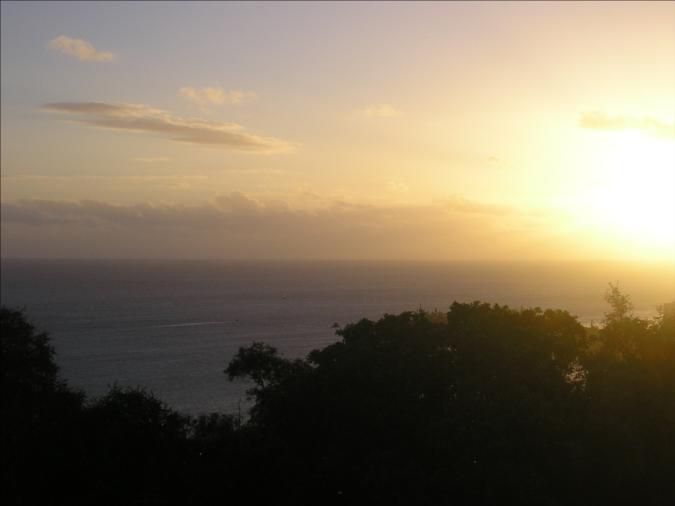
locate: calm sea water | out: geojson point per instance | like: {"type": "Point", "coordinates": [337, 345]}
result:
{"type": "Point", "coordinates": [172, 326]}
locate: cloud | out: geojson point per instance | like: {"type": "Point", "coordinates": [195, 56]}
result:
{"type": "Point", "coordinates": [598, 120]}
{"type": "Point", "coordinates": [45, 186]}
{"type": "Point", "coordinates": [216, 96]}
{"type": "Point", "coordinates": [381, 111]}
{"type": "Point", "coordinates": [238, 202]}
{"type": "Point", "coordinates": [80, 49]}
{"type": "Point", "coordinates": [464, 205]}
{"type": "Point", "coordinates": [236, 225]}
{"type": "Point", "coordinates": [152, 159]}
{"type": "Point", "coordinates": [141, 118]}
{"type": "Point", "coordinates": [396, 187]}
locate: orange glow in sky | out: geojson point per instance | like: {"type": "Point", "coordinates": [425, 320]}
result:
{"type": "Point", "coordinates": [487, 130]}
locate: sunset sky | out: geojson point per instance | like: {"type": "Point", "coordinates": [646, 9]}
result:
{"type": "Point", "coordinates": [412, 131]}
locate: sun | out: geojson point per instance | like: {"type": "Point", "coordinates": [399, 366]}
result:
{"type": "Point", "coordinates": [631, 199]}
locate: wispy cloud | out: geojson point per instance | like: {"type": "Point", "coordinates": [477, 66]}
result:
{"type": "Point", "coordinates": [598, 120]}
{"type": "Point", "coordinates": [397, 187]}
{"type": "Point", "coordinates": [381, 111]}
{"type": "Point", "coordinates": [59, 183]}
{"type": "Point", "coordinates": [463, 205]}
{"type": "Point", "coordinates": [216, 96]}
{"type": "Point", "coordinates": [152, 159]}
{"type": "Point", "coordinates": [80, 49]}
{"type": "Point", "coordinates": [141, 118]}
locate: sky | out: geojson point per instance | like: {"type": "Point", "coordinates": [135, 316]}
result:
{"type": "Point", "coordinates": [397, 131]}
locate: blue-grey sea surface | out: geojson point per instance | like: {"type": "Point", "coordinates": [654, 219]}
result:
{"type": "Point", "coordinates": [172, 326]}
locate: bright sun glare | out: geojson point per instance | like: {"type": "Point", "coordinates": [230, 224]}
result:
{"type": "Point", "coordinates": [635, 200]}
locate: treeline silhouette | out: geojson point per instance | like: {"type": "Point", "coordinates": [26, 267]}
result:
{"type": "Point", "coordinates": [480, 405]}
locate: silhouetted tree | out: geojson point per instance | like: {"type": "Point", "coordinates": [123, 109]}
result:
{"type": "Point", "coordinates": [630, 407]}
{"type": "Point", "coordinates": [39, 413]}
{"type": "Point", "coordinates": [484, 406]}
{"type": "Point", "coordinates": [137, 449]}
{"type": "Point", "coordinates": [481, 405]}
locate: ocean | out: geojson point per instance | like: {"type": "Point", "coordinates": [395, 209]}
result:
{"type": "Point", "coordinates": [172, 326]}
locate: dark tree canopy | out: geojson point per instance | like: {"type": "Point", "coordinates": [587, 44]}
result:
{"type": "Point", "coordinates": [27, 358]}
{"type": "Point", "coordinates": [486, 405]}
{"type": "Point", "coordinates": [483, 404]}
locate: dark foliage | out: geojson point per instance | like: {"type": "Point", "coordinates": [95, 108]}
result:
{"type": "Point", "coordinates": [482, 405]}
{"type": "Point", "coordinates": [39, 415]}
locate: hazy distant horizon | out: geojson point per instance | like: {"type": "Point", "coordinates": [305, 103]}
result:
{"type": "Point", "coordinates": [656, 264]}
{"type": "Point", "coordinates": [149, 322]}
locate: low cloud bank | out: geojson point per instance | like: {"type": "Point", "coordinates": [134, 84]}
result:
{"type": "Point", "coordinates": [238, 226]}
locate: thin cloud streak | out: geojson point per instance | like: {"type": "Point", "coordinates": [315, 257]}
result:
{"type": "Point", "coordinates": [216, 96]}
{"type": "Point", "coordinates": [464, 205]}
{"type": "Point", "coordinates": [152, 159]}
{"type": "Point", "coordinates": [79, 49]}
{"type": "Point", "coordinates": [598, 120]}
{"type": "Point", "coordinates": [141, 118]}
{"type": "Point", "coordinates": [381, 111]}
